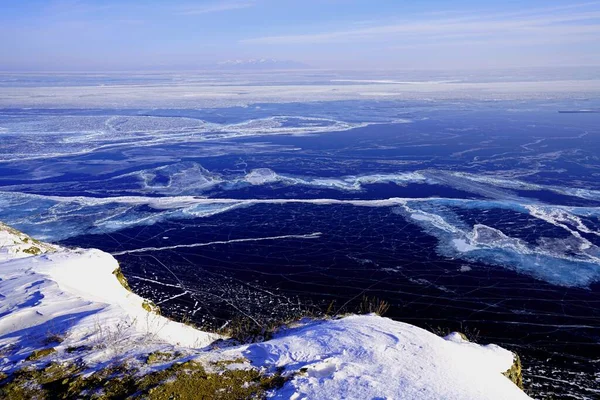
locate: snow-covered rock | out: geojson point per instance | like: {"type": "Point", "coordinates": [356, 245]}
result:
{"type": "Point", "coordinates": [367, 357]}
{"type": "Point", "coordinates": [73, 298]}
{"type": "Point", "coordinates": [15, 244]}
{"type": "Point", "coordinates": [75, 295]}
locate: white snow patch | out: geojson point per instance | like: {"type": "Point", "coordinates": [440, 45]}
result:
{"type": "Point", "coordinates": [365, 357]}
{"type": "Point", "coordinates": [74, 294]}
{"type": "Point", "coordinates": [14, 244]}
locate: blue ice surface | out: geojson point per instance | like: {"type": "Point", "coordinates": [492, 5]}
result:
{"type": "Point", "coordinates": [465, 159]}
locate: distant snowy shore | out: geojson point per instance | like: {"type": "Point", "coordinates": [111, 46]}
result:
{"type": "Point", "coordinates": [66, 307]}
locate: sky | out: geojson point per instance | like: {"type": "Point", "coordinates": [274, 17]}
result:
{"type": "Point", "coordinates": [57, 35]}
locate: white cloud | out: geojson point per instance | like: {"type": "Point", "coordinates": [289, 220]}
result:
{"type": "Point", "coordinates": [567, 20]}
{"type": "Point", "coordinates": [216, 7]}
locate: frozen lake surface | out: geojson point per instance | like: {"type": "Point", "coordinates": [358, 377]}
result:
{"type": "Point", "coordinates": [478, 213]}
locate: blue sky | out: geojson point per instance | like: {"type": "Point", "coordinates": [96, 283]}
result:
{"type": "Point", "coordinates": [338, 34]}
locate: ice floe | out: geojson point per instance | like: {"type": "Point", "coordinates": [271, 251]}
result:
{"type": "Point", "coordinates": [574, 263]}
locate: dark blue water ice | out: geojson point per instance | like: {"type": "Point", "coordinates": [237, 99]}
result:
{"type": "Point", "coordinates": [457, 212]}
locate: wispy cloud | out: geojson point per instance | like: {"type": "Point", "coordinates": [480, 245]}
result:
{"type": "Point", "coordinates": [217, 7]}
{"type": "Point", "coordinates": [74, 8]}
{"type": "Point", "coordinates": [573, 19]}
{"type": "Point", "coordinates": [586, 36]}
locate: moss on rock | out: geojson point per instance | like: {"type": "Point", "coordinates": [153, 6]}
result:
{"type": "Point", "coordinates": [188, 380]}
{"type": "Point", "coordinates": [32, 383]}
{"type": "Point", "coordinates": [149, 306]}
{"type": "Point", "coordinates": [515, 372]}
{"type": "Point", "coordinates": [121, 278]}
{"type": "Point", "coordinates": [33, 250]}
{"type": "Point", "coordinates": [37, 354]}
{"type": "Point", "coordinates": [191, 381]}
{"type": "Point", "coordinates": [159, 356]}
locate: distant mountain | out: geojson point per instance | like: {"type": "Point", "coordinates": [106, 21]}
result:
{"type": "Point", "coordinates": [261, 63]}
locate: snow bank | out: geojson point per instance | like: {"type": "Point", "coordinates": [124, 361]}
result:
{"type": "Point", "coordinates": [74, 295]}
{"type": "Point", "coordinates": [369, 357]}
